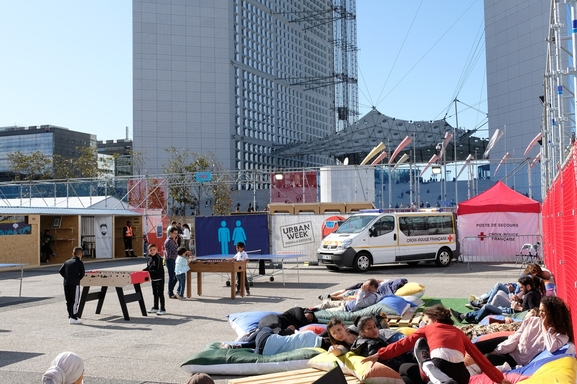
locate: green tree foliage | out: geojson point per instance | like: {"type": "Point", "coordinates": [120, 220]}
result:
{"type": "Point", "coordinates": [183, 190]}
{"type": "Point", "coordinates": [63, 168]}
{"type": "Point", "coordinates": [138, 160]}
{"type": "Point", "coordinates": [32, 166]}
{"type": "Point", "coordinates": [36, 165]}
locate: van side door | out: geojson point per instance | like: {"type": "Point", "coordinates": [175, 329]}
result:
{"type": "Point", "coordinates": [383, 240]}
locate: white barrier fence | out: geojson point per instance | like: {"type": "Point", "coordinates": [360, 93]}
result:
{"type": "Point", "coordinates": [514, 248]}
{"type": "Point", "coordinates": [300, 234]}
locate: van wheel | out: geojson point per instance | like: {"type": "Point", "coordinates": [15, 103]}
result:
{"type": "Point", "coordinates": [362, 262]}
{"type": "Point", "coordinates": [443, 257]}
{"type": "Point", "coordinates": [332, 268]}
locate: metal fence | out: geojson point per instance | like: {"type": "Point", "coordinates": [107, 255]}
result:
{"type": "Point", "coordinates": [518, 249]}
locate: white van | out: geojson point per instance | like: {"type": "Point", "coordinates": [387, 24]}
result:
{"type": "Point", "coordinates": [373, 237]}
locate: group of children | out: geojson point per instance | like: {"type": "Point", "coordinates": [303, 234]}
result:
{"type": "Point", "coordinates": [73, 271]}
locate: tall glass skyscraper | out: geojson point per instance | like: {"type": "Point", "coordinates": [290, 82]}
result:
{"type": "Point", "coordinates": [239, 78]}
{"type": "Point", "coordinates": [516, 46]}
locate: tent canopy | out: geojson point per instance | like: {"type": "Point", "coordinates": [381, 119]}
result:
{"type": "Point", "coordinates": [499, 198]}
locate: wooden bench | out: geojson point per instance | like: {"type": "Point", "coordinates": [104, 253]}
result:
{"type": "Point", "coordinates": [300, 376]}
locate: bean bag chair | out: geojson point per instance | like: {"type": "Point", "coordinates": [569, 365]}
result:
{"type": "Point", "coordinates": [246, 322]}
{"type": "Point", "coordinates": [546, 368]}
{"type": "Point", "coordinates": [243, 361]}
{"type": "Point", "coordinates": [411, 289]}
{"type": "Point", "coordinates": [392, 305]}
{"type": "Point", "coordinates": [350, 364]}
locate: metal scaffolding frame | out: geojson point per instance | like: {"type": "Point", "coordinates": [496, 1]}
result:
{"type": "Point", "coordinates": [560, 85]}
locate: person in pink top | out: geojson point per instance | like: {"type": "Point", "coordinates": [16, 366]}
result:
{"type": "Point", "coordinates": [551, 330]}
{"type": "Point", "coordinates": [447, 347]}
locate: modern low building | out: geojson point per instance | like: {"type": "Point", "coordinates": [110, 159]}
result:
{"type": "Point", "coordinates": [50, 140]}
{"type": "Point", "coordinates": [94, 223]}
{"type": "Point", "coordinates": [121, 149]}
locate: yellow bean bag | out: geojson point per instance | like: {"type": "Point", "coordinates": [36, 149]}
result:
{"type": "Point", "coordinates": [560, 371]}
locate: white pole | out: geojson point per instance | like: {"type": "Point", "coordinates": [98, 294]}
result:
{"type": "Point", "coordinates": [455, 151]}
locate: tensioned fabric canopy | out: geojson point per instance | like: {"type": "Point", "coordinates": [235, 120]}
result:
{"type": "Point", "coordinates": [499, 198]}
{"type": "Point", "coordinates": [356, 141]}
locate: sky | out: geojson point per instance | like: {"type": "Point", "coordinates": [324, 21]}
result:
{"type": "Point", "coordinates": [69, 63]}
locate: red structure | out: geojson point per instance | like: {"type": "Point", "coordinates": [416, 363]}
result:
{"type": "Point", "coordinates": [559, 223]}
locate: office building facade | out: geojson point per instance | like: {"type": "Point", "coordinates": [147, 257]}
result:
{"type": "Point", "coordinates": [516, 53]}
{"type": "Point", "coordinates": [121, 149]}
{"type": "Point", "coordinates": [237, 78]}
{"type": "Point", "coordinates": [49, 140]}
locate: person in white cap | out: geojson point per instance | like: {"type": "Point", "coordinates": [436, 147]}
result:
{"type": "Point", "coordinates": [66, 368]}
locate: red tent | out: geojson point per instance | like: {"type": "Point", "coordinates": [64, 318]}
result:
{"type": "Point", "coordinates": [499, 198]}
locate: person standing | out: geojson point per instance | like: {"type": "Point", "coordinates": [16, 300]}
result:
{"type": "Point", "coordinates": [170, 249]}
{"type": "Point", "coordinates": [180, 269]}
{"type": "Point", "coordinates": [186, 236]}
{"type": "Point", "coordinates": [172, 225]}
{"type": "Point", "coordinates": [156, 269]}
{"type": "Point", "coordinates": [127, 235]}
{"type": "Point", "coordinates": [73, 271]}
{"type": "Point", "coordinates": [241, 255]}
{"type": "Point", "coordinates": [45, 241]}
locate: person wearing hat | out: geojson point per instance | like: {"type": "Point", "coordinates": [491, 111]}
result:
{"type": "Point", "coordinates": [127, 235]}
{"type": "Point", "coordinates": [66, 368]}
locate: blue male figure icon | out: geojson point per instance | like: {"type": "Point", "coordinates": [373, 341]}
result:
{"type": "Point", "coordinates": [238, 235]}
{"type": "Point", "coordinates": [223, 237]}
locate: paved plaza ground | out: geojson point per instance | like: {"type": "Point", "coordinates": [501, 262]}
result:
{"type": "Point", "coordinates": [34, 328]}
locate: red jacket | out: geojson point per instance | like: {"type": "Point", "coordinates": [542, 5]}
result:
{"type": "Point", "coordinates": [440, 335]}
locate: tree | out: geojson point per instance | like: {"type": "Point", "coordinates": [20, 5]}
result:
{"type": "Point", "coordinates": [138, 159]}
{"type": "Point", "coordinates": [219, 188]}
{"type": "Point", "coordinates": [185, 192]}
{"type": "Point", "coordinates": [30, 167]}
{"type": "Point", "coordinates": [147, 193]}
{"type": "Point", "coordinates": [87, 165]}
{"type": "Point", "coordinates": [62, 168]}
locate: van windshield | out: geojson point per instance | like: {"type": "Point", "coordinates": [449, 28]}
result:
{"type": "Point", "coordinates": [355, 224]}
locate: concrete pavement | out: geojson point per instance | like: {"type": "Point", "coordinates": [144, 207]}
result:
{"type": "Point", "coordinates": [34, 328]}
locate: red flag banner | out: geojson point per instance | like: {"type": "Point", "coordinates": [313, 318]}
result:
{"type": "Point", "coordinates": [406, 141]}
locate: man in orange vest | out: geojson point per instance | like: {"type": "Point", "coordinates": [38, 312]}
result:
{"type": "Point", "coordinates": [127, 235]}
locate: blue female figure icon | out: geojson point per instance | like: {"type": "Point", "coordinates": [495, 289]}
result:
{"type": "Point", "coordinates": [238, 235]}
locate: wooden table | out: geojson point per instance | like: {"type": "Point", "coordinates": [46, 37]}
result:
{"type": "Point", "coordinates": [232, 267]}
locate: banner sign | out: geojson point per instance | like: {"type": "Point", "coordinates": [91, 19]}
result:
{"type": "Point", "coordinates": [220, 234]}
{"type": "Point", "coordinates": [103, 236]}
{"type": "Point", "coordinates": [499, 234]}
{"type": "Point", "coordinates": [14, 225]}
{"type": "Point", "coordinates": [294, 187]}
{"type": "Point", "coordinates": [299, 233]}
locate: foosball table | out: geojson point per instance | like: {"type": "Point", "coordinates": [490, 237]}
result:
{"type": "Point", "coordinates": [232, 267]}
{"type": "Point", "coordinates": [117, 279]}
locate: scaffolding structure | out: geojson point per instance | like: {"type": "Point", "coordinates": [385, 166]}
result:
{"type": "Point", "coordinates": [344, 77]}
{"type": "Point", "coordinates": [560, 85]}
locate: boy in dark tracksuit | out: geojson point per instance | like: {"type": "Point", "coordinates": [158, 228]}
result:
{"type": "Point", "coordinates": [73, 271]}
{"type": "Point", "coordinates": [156, 269]}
